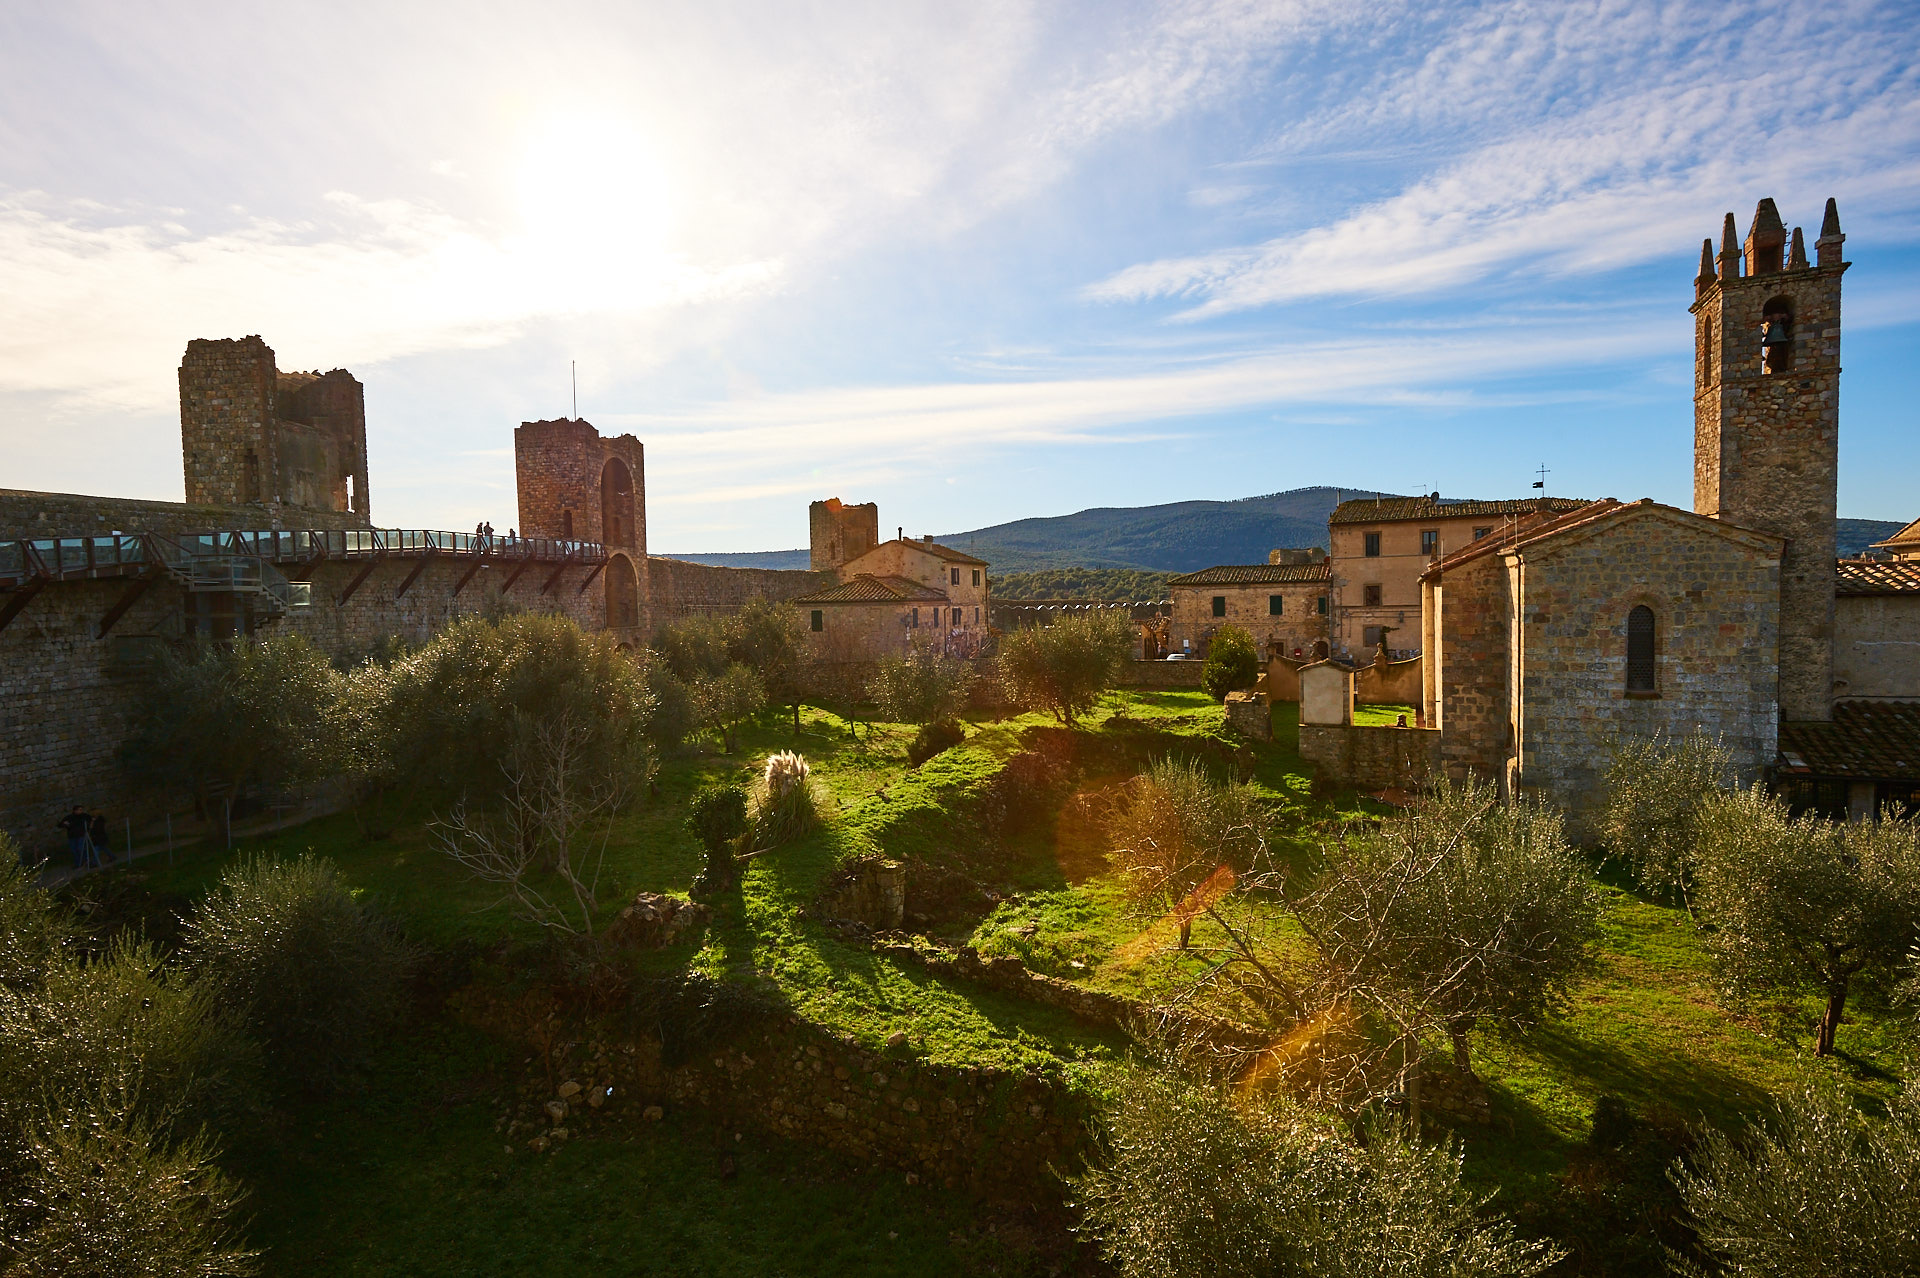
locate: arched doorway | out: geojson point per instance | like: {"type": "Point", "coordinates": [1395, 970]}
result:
{"type": "Point", "coordinates": [616, 504]}
{"type": "Point", "coordinates": [623, 593]}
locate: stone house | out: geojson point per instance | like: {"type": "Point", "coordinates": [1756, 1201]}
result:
{"type": "Point", "coordinates": [900, 594]}
{"type": "Point", "coordinates": [1379, 547]}
{"type": "Point", "coordinates": [1281, 603]}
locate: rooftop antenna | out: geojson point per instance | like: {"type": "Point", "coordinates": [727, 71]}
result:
{"type": "Point", "coordinates": [573, 372]}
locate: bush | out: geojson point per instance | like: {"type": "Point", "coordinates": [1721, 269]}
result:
{"type": "Point", "coordinates": [1232, 663]}
{"type": "Point", "coordinates": [717, 816]}
{"type": "Point", "coordinates": [125, 1023]}
{"type": "Point", "coordinates": [932, 739]}
{"type": "Point", "coordinates": [34, 929]}
{"type": "Point", "coordinates": [720, 703]}
{"type": "Point", "coordinates": [785, 805]}
{"type": "Point", "coordinates": [921, 687]}
{"type": "Point", "coordinates": [1820, 1190]}
{"type": "Point", "coordinates": [1065, 667]}
{"type": "Point", "coordinates": [1173, 829]}
{"type": "Point", "coordinates": [674, 715]}
{"type": "Point", "coordinates": [100, 1193]}
{"type": "Point", "coordinates": [317, 974]}
{"type": "Point", "coordinates": [1656, 791]}
{"type": "Point", "coordinates": [1196, 1187]}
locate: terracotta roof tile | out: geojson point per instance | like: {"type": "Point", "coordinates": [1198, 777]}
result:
{"type": "Point", "coordinates": [1907, 538]}
{"type": "Point", "coordinates": [1526, 528]}
{"type": "Point", "coordinates": [1253, 575]}
{"type": "Point", "coordinates": [1866, 740]}
{"type": "Point", "coordinates": [1386, 510]}
{"type": "Point", "coordinates": [935, 549]}
{"type": "Point", "coordinates": [867, 588]}
{"type": "Point", "coordinates": [1876, 577]}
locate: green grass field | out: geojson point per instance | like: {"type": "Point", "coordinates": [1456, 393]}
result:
{"type": "Point", "coordinates": [408, 1176]}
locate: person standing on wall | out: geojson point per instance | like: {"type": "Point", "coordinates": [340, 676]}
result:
{"type": "Point", "coordinates": [75, 824]}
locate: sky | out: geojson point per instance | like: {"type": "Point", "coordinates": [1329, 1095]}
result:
{"type": "Point", "coordinates": [974, 262]}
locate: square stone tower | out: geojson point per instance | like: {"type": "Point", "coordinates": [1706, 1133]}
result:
{"type": "Point", "coordinates": [577, 485]}
{"type": "Point", "coordinates": [838, 533]}
{"type": "Point", "coordinates": [1766, 423]}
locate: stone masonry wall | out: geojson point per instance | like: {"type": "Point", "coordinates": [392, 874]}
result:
{"type": "Point", "coordinates": [1472, 642]}
{"type": "Point", "coordinates": [681, 589]}
{"type": "Point", "coordinates": [227, 389]}
{"type": "Point", "coordinates": [1715, 604]}
{"type": "Point", "coordinates": [837, 532]}
{"type": "Point", "coordinates": [1300, 625]}
{"type": "Point", "coordinates": [1368, 758]}
{"type": "Point", "coordinates": [1876, 647]}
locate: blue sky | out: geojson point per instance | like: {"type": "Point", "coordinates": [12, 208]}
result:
{"type": "Point", "coordinates": [973, 262]}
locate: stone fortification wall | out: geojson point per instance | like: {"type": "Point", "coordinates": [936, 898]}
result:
{"type": "Point", "coordinates": [67, 698]}
{"type": "Point", "coordinates": [681, 589]}
{"type": "Point", "coordinates": [30, 514]}
{"type": "Point", "coordinates": [1368, 758]}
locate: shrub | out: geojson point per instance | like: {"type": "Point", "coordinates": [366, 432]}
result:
{"type": "Point", "coordinates": [318, 974]}
{"type": "Point", "coordinates": [674, 714]}
{"type": "Point", "coordinates": [123, 1021]}
{"type": "Point", "coordinates": [1065, 667]}
{"type": "Point", "coordinates": [1232, 663]}
{"type": "Point", "coordinates": [921, 687]}
{"type": "Point", "coordinates": [1198, 1188]}
{"type": "Point", "coordinates": [34, 929]}
{"type": "Point", "coordinates": [101, 1193]}
{"type": "Point", "coordinates": [932, 739]}
{"type": "Point", "coordinates": [717, 816]}
{"type": "Point", "coordinates": [785, 805]}
{"type": "Point", "coordinates": [1819, 1190]}
{"type": "Point", "coordinates": [1173, 829]}
{"type": "Point", "coordinates": [1656, 790]}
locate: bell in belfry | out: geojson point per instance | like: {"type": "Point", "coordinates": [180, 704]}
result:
{"type": "Point", "coordinates": [1776, 342]}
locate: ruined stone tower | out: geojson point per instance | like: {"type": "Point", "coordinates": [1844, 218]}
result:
{"type": "Point", "coordinates": [575, 485]}
{"type": "Point", "coordinates": [1766, 413]}
{"type": "Point", "coordinates": [839, 532]}
{"type": "Point", "coordinates": [252, 435]}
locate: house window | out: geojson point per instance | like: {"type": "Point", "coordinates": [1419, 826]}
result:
{"type": "Point", "coordinates": [1219, 605]}
{"type": "Point", "coordinates": [954, 579]}
{"type": "Point", "coordinates": [976, 611]}
{"type": "Point", "coordinates": [819, 621]}
{"type": "Point", "coordinates": [1430, 541]}
{"type": "Point", "coordinates": [916, 617]}
{"type": "Point", "coordinates": [976, 576]}
{"type": "Point", "coordinates": [1323, 605]}
{"type": "Point", "coordinates": [1276, 605]}
{"type": "Point", "coordinates": [1640, 649]}
{"type": "Point", "coordinates": [1370, 636]}
{"type": "Point", "coordinates": [1478, 533]}
{"type": "Point", "coordinates": [1373, 545]}
{"type": "Point", "coordinates": [1372, 593]}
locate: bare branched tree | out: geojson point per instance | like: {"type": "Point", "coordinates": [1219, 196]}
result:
{"type": "Point", "coordinates": [532, 845]}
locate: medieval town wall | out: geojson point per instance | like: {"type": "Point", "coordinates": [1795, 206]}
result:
{"type": "Point", "coordinates": [1715, 602]}
{"type": "Point", "coordinates": [25, 514]}
{"type": "Point", "coordinates": [681, 589]}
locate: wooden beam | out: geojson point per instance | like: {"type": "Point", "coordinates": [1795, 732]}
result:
{"type": "Point", "coordinates": [467, 576]}
{"type": "Point", "coordinates": [360, 580]}
{"type": "Point", "coordinates": [558, 573]}
{"type": "Point", "coordinates": [19, 599]}
{"type": "Point", "coordinates": [588, 579]}
{"type": "Point", "coordinates": [515, 574]}
{"type": "Point", "coordinates": [415, 574]}
{"type": "Point", "coordinates": [128, 597]}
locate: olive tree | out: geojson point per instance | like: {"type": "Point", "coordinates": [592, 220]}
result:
{"type": "Point", "coordinates": [1199, 1185]}
{"type": "Point", "coordinates": [1807, 904]}
{"type": "Point", "coordinates": [1657, 787]}
{"type": "Point", "coordinates": [1065, 667]}
{"type": "Point", "coordinates": [1231, 663]}
{"type": "Point", "coordinates": [1820, 1189]}
{"type": "Point", "coordinates": [1179, 840]}
{"type": "Point", "coordinates": [923, 686]}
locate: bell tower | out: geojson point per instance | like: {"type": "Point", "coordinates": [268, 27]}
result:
{"type": "Point", "coordinates": [1766, 422]}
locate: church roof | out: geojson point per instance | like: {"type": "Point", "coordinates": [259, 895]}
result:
{"type": "Point", "coordinates": [1876, 577]}
{"type": "Point", "coordinates": [1253, 575]}
{"type": "Point", "coordinates": [867, 588]}
{"type": "Point", "coordinates": [1386, 510]}
{"type": "Point", "coordinates": [1587, 520]}
{"type": "Point", "coordinates": [1865, 741]}
{"type": "Point", "coordinates": [1907, 538]}
{"type": "Point", "coordinates": [1524, 529]}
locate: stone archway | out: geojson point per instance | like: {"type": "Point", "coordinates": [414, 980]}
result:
{"type": "Point", "coordinates": [616, 504]}
{"type": "Point", "coordinates": [622, 593]}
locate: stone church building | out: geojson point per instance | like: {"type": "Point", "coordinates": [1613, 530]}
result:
{"type": "Point", "coordinates": [1559, 633]}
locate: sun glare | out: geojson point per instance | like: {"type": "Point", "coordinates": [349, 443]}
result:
{"type": "Point", "coordinates": [596, 207]}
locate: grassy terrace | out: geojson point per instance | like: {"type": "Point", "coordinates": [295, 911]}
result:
{"type": "Point", "coordinates": [409, 1176]}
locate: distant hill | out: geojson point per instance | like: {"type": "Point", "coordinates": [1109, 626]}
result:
{"type": "Point", "coordinates": [1080, 583]}
{"type": "Point", "coordinates": [1181, 536]}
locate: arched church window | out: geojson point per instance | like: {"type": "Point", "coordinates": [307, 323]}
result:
{"type": "Point", "coordinates": [1640, 649]}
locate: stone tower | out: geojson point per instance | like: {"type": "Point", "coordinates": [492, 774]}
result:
{"type": "Point", "coordinates": [251, 435]}
{"type": "Point", "coordinates": [1766, 422]}
{"type": "Point", "coordinates": [838, 532]}
{"type": "Point", "coordinates": [576, 485]}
